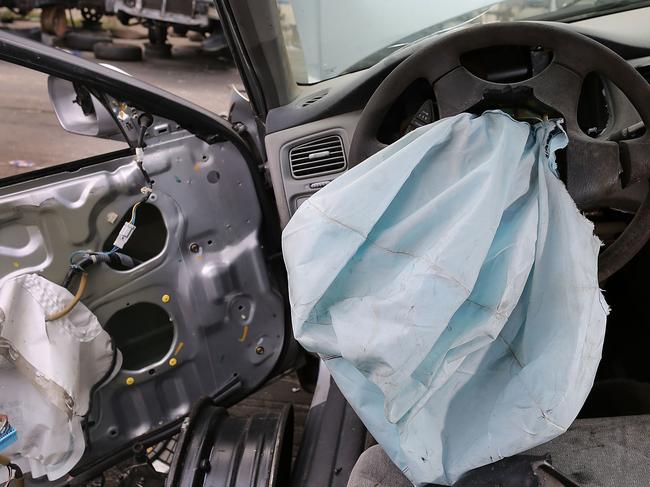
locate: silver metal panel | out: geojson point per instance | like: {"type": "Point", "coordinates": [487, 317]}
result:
{"type": "Point", "coordinates": [228, 318]}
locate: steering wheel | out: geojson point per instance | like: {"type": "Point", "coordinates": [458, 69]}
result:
{"type": "Point", "coordinates": [595, 168]}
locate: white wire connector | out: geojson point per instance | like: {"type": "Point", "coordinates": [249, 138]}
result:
{"type": "Point", "coordinates": [124, 235]}
{"type": "Point", "coordinates": [139, 155]}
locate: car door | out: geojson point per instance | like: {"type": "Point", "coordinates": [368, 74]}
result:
{"type": "Point", "coordinates": [200, 313]}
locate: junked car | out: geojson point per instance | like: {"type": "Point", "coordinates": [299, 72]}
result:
{"type": "Point", "coordinates": [199, 16]}
{"type": "Point", "coordinates": [172, 246]}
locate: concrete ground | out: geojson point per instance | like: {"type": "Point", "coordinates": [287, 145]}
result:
{"type": "Point", "coordinates": [31, 137]}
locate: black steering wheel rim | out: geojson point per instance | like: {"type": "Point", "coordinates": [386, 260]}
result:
{"type": "Point", "coordinates": [596, 168]}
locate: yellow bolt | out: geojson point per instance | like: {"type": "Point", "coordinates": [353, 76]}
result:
{"type": "Point", "coordinates": [130, 381]}
{"type": "Point", "coordinates": [165, 298]}
{"type": "Point", "coordinates": [172, 361]}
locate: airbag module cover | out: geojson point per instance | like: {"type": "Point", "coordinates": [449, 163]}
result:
{"type": "Point", "coordinates": [450, 284]}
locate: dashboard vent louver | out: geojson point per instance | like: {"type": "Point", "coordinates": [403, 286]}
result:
{"type": "Point", "coordinates": [313, 99]}
{"type": "Point", "coordinates": [317, 157]}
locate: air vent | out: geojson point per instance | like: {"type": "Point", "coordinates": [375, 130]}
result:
{"type": "Point", "coordinates": [313, 99]}
{"type": "Point", "coordinates": [317, 157]}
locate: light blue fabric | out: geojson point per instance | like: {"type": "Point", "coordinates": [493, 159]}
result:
{"type": "Point", "coordinates": [451, 285]}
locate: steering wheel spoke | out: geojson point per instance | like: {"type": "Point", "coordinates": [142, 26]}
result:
{"type": "Point", "coordinates": [558, 88]}
{"type": "Point", "coordinates": [593, 169]}
{"type": "Point", "coordinates": [458, 91]}
{"type": "Point", "coordinates": [635, 159]}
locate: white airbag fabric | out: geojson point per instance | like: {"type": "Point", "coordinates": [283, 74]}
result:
{"type": "Point", "coordinates": [450, 283]}
{"type": "Point", "coordinates": [47, 372]}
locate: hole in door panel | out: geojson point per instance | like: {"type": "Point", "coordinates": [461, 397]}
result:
{"type": "Point", "coordinates": [143, 332]}
{"type": "Point", "coordinates": [147, 240]}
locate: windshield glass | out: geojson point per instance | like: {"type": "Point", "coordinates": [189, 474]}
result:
{"type": "Point", "coordinates": [328, 38]}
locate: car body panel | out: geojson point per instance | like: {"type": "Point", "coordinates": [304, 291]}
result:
{"type": "Point", "coordinates": [204, 285]}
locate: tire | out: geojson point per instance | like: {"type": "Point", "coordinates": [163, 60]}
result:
{"type": "Point", "coordinates": [117, 52]}
{"type": "Point", "coordinates": [84, 41]}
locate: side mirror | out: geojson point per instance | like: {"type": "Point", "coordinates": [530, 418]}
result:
{"type": "Point", "coordinates": [79, 112]}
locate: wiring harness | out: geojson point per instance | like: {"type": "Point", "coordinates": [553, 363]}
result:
{"type": "Point", "coordinates": [82, 260]}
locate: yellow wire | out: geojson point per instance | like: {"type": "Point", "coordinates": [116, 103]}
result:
{"type": "Point", "coordinates": [82, 286]}
{"type": "Point", "coordinates": [135, 207]}
{"type": "Point", "coordinates": [77, 297]}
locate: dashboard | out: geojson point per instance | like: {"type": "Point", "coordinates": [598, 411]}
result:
{"type": "Point", "coordinates": [308, 141]}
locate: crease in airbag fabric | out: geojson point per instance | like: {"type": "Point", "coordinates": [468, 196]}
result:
{"type": "Point", "coordinates": [450, 284]}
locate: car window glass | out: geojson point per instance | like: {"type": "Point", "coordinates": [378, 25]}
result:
{"type": "Point", "coordinates": [329, 38]}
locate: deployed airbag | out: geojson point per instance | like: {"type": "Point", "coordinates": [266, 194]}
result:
{"type": "Point", "coordinates": [450, 284]}
{"type": "Point", "coordinates": [47, 372]}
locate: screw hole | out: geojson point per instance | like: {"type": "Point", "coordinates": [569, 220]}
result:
{"type": "Point", "coordinates": [152, 371]}
{"type": "Point", "coordinates": [213, 177]}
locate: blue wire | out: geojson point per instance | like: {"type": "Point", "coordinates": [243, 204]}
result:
{"type": "Point", "coordinates": [112, 251]}
{"type": "Point", "coordinates": [77, 252]}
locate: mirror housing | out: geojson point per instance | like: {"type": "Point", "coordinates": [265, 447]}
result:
{"type": "Point", "coordinates": [79, 112]}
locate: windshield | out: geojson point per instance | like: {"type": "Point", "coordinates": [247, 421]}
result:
{"type": "Point", "coordinates": [328, 38]}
